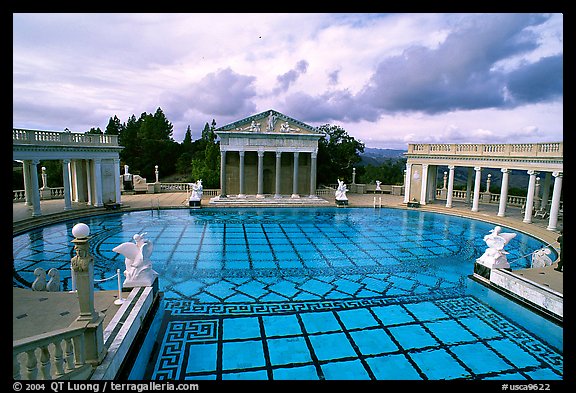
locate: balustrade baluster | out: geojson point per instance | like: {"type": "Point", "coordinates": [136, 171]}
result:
{"type": "Point", "coordinates": [58, 358]}
{"type": "Point", "coordinates": [31, 364]}
{"type": "Point", "coordinates": [45, 362]}
{"type": "Point", "coordinates": [69, 354]}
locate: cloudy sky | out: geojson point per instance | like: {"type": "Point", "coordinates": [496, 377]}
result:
{"type": "Point", "coordinates": [387, 79]}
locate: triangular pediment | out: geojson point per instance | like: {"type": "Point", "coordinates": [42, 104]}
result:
{"type": "Point", "coordinates": [270, 121]}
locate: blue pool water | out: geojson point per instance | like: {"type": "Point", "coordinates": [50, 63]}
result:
{"type": "Point", "coordinates": [315, 293]}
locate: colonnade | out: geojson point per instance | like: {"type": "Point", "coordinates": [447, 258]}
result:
{"type": "Point", "coordinates": [427, 190]}
{"type": "Point", "coordinates": [82, 181]}
{"type": "Point", "coordinates": [260, 173]}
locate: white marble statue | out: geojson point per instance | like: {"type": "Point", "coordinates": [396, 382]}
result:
{"type": "Point", "coordinates": [197, 191]}
{"type": "Point", "coordinates": [53, 284]}
{"type": "Point", "coordinates": [540, 257]}
{"type": "Point", "coordinates": [39, 283]}
{"type": "Point", "coordinates": [139, 270]}
{"type": "Point", "coordinates": [495, 256]}
{"type": "Point", "coordinates": [341, 191]}
{"type": "Point", "coordinates": [378, 182]}
{"type": "Point", "coordinates": [271, 121]}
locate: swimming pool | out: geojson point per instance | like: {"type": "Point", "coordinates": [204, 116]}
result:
{"type": "Point", "coordinates": [315, 293]}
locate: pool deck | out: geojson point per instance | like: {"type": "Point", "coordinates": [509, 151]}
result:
{"type": "Point", "coordinates": [39, 312]}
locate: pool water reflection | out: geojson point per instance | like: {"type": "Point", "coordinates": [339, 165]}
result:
{"type": "Point", "coordinates": [316, 293]}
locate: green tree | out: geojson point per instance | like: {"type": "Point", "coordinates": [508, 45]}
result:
{"type": "Point", "coordinates": [338, 152]}
{"type": "Point", "coordinates": [114, 126]}
{"type": "Point", "coordinates": [93, 130]}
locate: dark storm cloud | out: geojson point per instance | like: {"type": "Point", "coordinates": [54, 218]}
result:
{"type": "Point", "coordinates": [224, 93]}
{"type": "Point", "coordinates": [285, 80]}
{"type": "Point", "coordinates": [537, 82]}
{"type": "Point", "coordinates": [464, 72]}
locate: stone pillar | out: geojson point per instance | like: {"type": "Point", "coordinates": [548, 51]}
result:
{"type": "Point", "coordinates": [83, 269]}
{"type": "Point", "coordinates": [530, 197]}
{"type": "Point", "coordinates": [260, 193]}
{"type": "Point", "coordinates": [450, 186]}
{"type": "Point", "coordinates": [35, 190]}
{"type": "Point", "coordinates": [313, 157]}
{"type": "Point", "coordinates": [223, 174]}
{"type": "Point", "coordinates": [353, 175]}
{"type": "Point", "coordinates": [278, 194]}
{"type": "Point", "coordinates": [89, 182]}
{"type": "Point", "coordinates": [66, 181]}
{"type": "Point", "coordinates": [555, 206]}
{"type": "Point", "coordinates": [117, 182]}
{"type": "Point", "coordinates": [503, 193]}
{"type": "Point", "coordinates": [241, 192]}
{"type": "Point", "coordinates": [98, 182]}
{"type": "Point", "coordinates": [44, 178]}
{"type": "Point", "coordinates": [27, 182]}
{"type": "Point", "coordinates": [407, 178]}
{"type": "Point", "coordinates": [546, 191]}
{"type": "Point", "coordinates": [444, 190]}
{"type": "Point", "coordinates": [424, 189]}
{"type": "Point", "coordinates": [476, 188]}
{"type": "Point", "coordinates": [156, 172]}
{"type": "Point", "coordinates": [295, 177]}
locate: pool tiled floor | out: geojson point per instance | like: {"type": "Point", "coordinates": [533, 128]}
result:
{"type": "Point", "coordinates": [325, 294]}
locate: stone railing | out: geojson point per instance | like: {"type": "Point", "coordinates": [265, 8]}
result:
{"type": "Point", "coordinates": [484, 197]}
{"type": "Point", "coordinates": [47, 193]}
{"type": "Point", "coordinates": [554, 149]}
{"type": "Point", "coordinates": [55, 355]}
{"type": "Point", "coordinates": [37, 137]}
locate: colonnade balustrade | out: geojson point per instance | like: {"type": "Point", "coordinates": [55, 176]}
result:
{"type": "Point", "coordinates": [531, 158]}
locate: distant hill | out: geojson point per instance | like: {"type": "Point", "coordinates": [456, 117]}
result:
{"type": "Point", "coordinates": [376, 156]}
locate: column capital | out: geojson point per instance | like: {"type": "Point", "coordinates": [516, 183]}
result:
{"type": "Point", "coordinates": [260, 153]}
{"type": "Point", "coordinates": [531, 172]}
{"type": "Point", "coordinates": [451, 167]}
{"type": "Point", "coordinates": [35, 162]}
{"type": "Point", "coordinates": [477, 168]}
{"type": "Point", "coordinates": [67, 161]}
{"type": "Point", "coordinates": [278, 154]}
{"type": "Point", "coordinates": [296, 153]}
{"type": "Point", "coordinates": [505, 170]}
{"type": "Point", "coordinates": [241, 153]}
{"type": "Point", "coordinates": [314, 155]}
{"type": "Point", "coordinates": [558, 174]}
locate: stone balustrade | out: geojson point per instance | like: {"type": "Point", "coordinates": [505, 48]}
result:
{"type": "Point", "coordinates": [38, 137]}
{"type": "Point", "coordinates": [555, 149]}
{"type": "Point", "coordinates": [55, 355]}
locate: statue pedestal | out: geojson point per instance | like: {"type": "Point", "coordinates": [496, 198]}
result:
{"type": "Point", "coordinates": [196, 203]}
{"type": "Point", "coordinates": [483, 268]}
{"type": "Point", "coordinates": [341, 202]}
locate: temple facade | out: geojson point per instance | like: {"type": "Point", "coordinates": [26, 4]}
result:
{"type": "Point", "coordinates": [268, 155]}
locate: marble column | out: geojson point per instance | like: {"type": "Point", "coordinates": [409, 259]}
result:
{"type": "Point", "coordinates": [66, 181]}
{"type": "Point", "coordinates": [117, 182]}
{"type": "Point", "coordinates": [260, 193]}
{"type": "Point", "coordinates": [313, 157]}
{"type": "Point", "coordinates": [241, 192]}
{"type": "Point", "coordinates": [424, 188]}
{"type": "Point", "coordinates": [407, 178]}
{"type": "Point", "coordinates": [35, 189]}
{"type": "Point", "coordinates": [450, 186]}
{"type": "Point", "coordinates": [476, 198]}
{"type": "Point", "coordinates": [555, 205]}
{"type": "Point", "coordinates": [223, 174]}
{"type": "Point", "coordinates": [530, 197]}
{"type": "Point", "coordinates": [89, 180]}
{"type": "Point", "coordinates": [503, 192]}
{"type": "Point", "coordinates": [278, 194]}
{"type": "Point", "coordinates": [295, 177]}
{"type": "Point", "coordinates": [27, 182]}
{"type": "Point", "coordinates": [98, 182]}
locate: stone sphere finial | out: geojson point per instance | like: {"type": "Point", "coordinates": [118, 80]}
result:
{"type": "Point", "coordinates": [81, 231]}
